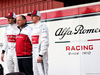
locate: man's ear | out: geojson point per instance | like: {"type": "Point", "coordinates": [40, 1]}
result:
{"type": "Point", "coordinates": [13, 18]}
{"type": "Point", "coordinates": [39, 17]}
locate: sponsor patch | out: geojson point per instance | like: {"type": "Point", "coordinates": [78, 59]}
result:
{"type": "Point", "coordinates": [11, 38]}
{"type": "Point", "coordinates": [35, 39]}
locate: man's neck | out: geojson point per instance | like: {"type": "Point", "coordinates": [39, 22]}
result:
{"type": "Point", "coordinates": [12, 23]}
{"type": "Point", "coordinates": [20, 28]}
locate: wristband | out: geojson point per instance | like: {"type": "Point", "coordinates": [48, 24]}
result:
{"type": "Point", "coordinates": [3, 51]}
{"type": "Point", "coordinates": [40, 55]}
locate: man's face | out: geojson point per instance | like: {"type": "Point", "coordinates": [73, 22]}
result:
{"type": "Point", "coordinates": [20, 21]}
{"type": "Point", "coordinates": [11, 20]}
{"type": "Point", "coordinates": [35, 18]}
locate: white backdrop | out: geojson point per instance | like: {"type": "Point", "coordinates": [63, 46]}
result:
{"type": "Point", "coordinates": [87, 62]}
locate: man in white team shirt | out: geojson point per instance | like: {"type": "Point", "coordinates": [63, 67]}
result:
{"type": "Point", "coordinates": [40, 43]}
{"type": "Point", "coordinates": [9, 43]}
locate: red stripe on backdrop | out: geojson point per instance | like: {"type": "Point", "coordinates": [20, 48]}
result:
{"type": "Point", "coordinates": [3, 21]}
{"type": "Point", "coordinates": [94, 40]}
{"type": "Point", "coordinates": [89, 9]}
{"type": "Point", "coordinates": [62, 13]}
{"type": "Point", "coordinates": [65, 12]}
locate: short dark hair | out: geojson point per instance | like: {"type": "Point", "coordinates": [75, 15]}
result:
{"type": "Point", "coordinates": [14, 20]}
{"type": "Point", "coordinates": [23, 17]}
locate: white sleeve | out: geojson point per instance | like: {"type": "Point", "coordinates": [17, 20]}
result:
{"type": "Point", "coordinates": [44, 43]}
{"type": "Point", "coordinates": [5, 41]}
{"type": "Point", "coordinates": [29, 34]}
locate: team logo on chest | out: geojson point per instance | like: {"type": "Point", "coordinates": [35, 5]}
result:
{"type": "Point", "coordinates": [35, 39]}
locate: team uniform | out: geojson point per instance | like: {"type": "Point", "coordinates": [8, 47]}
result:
{"type": "Point", "coordinates": [24, 50]}
{"type": "Point", "coordinates": [9, 48]}
{"type": "Point", "coordinates": [40, 43]}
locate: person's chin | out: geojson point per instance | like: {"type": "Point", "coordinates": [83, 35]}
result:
{"type": "Point", "coordinates": [33, 21]}
{"type": "Point", "coordinates": [9, 22]}
{"type": "Point", "coordinates": [19, 25]}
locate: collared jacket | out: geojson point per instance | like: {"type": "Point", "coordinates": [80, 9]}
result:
{"type": "Point", "coordinates": [23, 41]}
{"type": "Point", "coordinates": [40, 39]}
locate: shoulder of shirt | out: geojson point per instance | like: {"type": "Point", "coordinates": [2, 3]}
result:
{"type": "Point", "coordinates": [30, 28]}
{"type": "Point", "coordinates": [42, 25]}
{"type": "Point", "coordinates": [8, 27]}
{"type": "Point", "coordinates": [16, 26]}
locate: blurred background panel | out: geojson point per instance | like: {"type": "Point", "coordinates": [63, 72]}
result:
{"type": "Point", "coordinates": [26, 6]}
